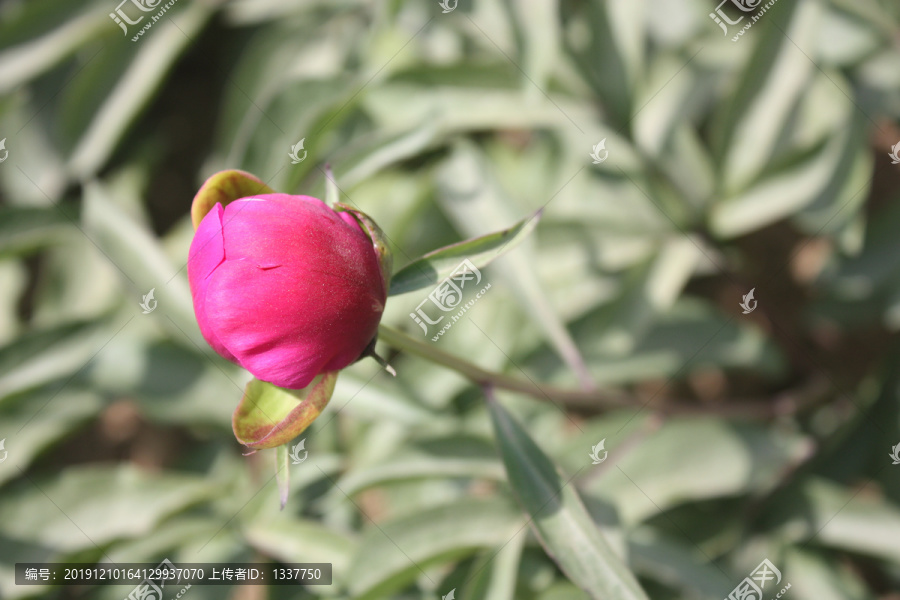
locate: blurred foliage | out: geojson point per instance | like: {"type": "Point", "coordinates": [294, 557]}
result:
{"type": "Point", "coordinates": [760, 163]}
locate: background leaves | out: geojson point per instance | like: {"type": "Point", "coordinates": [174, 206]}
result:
{"type": "Point", "coordinates": [760, 163]}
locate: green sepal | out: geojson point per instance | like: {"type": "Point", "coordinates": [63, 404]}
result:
{"type": "Point", "coordinates": [225, 187]}
{"type": "Point", "coordinates": [379, 241]}
{"type": "Point", "coordinates": [269, 416]}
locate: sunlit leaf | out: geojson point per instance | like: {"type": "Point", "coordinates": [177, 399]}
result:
{"type": "Point", "coordinates": [559, 517]}
{"type": "Point", "coordinates": [439, 264]}
{"type": "Point", "coordinates": [392, 554]}
{"type": "Point", "coordinates": [132, 503]}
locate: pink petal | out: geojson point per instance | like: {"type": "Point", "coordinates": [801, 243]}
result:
{"type": "Point", "coordinates": [207, 252]}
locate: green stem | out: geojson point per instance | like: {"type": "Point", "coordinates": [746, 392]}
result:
{"type": "Point", "coordinates": [282, 473]}
{"type": "Point", "coordinates": [789, 402]}
{"type": "Point", "coordinates": [401, 341]}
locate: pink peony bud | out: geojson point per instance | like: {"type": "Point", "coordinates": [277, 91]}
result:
{"type": "Point", "coordinates": [286, 287]}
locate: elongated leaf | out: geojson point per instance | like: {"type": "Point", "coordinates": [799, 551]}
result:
{"type": "Point", "coordinates": [472, 197]}
{"type": "Point", "coordinates": [757, 84]}
{"type": "Point", "coordinates": [24, 61]}
{"type": "Point", "coordinates": [496, 572]}
{"type": "Point", "coordinates": [829, 515]}
{"type": "Point", "coordinates": [480, 251]}
{"type": "Point", "coordinates": [95, 505]}
{"type": "Point", "coordinates": [392, 554]}
{"type": "Point", "coordinates": [675, 564]}
{"type": "Point", "coordinates": [28, 431]}
{"type": "Point", "coordinates": [779, 73]}
{"type": "Point", "coordinates": [387, 150]}
{"type": "Point", "coordinates": [778, 196]}
{"type": "Point", "coordinates": [559, 518]}
{"type": "Point", "coordinates": [136, 87]}
{"type": "Point", "coordinates": [612, 60]}
{"type": "Point", "coordinates": [24, 229]}
{"type": "Point", "coordinates": [420, 468]}
{"type": "Point", "coordinates": [133, 249]}
{"type": "Point", "coordinates": [291, 540]}
{"type": "Point", "coordinates": [745, 458]}
{"type": "Point", "coordinates": [40, 357]}
{"type": "Point", "coordinates": [813, 575]}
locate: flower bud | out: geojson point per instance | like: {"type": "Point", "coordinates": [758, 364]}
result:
{"type": "Point", "coordinates": [285, 286]}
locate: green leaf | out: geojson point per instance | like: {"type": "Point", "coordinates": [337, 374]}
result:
{"type": "Point", "coordinates": [449, 458]}
{"type": "Point", "coordinates": [854, 520]}
{"type": "Point", "coordinates": [20, 63]}
{"type": "Point", "coordinates": [614, 57]}
{"type": "Point", "coordinates": [40, 357]}
{"type": "Point", "coordinates": [471, 196]}
{"type": "Point", "coordinates": [779, 73]}
{"type": "Point", "coordinates": [420, 468]}
{"type": "Point", "coordinates": [145, 74]}
{"type": "Point", "coordinates": [270, 416]}
{"type": "Point", "coordinates": [480, 251]}
{"type": "Point", "coordinates": [291, 540]}
{"type": "Point", "coordinates": [616, 329]}
{"type": "Point", "coordinates": [24, 229]}
{"type": "Point", "coordinates": [28, 430]}
{"type": "Point", "coordinates": [757, 83]}
{"type": "Point", "coordinates": [494, 575]}
{"type": "Point", "coordinates": [559, 518]}
{"type": "Point", "coordinates": [821, 576]}
{"type": "Point", "coordinates": [780, 195]}
{"type": "Point", "coordinates": [136, 252]}
{"type": "Point", "coordinates": [374, 156]}
{"type": "Point", "coordinates": [732, 459]}
{"type": "Point", "coordinates": [678, 565]}
{"type": "Point", "coordinates": [392, 554]}
{"type": "Point", "coordinates": [83, 507]}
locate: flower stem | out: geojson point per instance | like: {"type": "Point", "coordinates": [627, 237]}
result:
{"type": "Point", "coordinates": [401, 341]}
{"type": "Point", "coordinates": [788, 402]}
